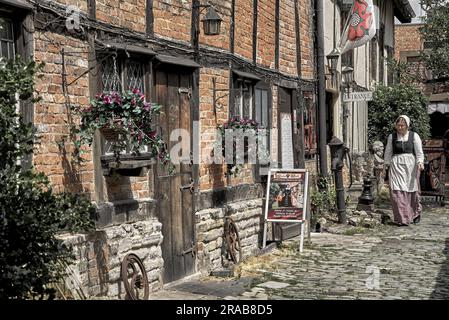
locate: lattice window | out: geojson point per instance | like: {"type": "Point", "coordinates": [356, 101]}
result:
{"type": "Point", "coordinates": [134, 75]}
{"type": "Point", "coordinates": [123, 74]}
{"type": "Point", "coordinates": [7, 47]}
{"type": "Point", "coordinates": [111, 80]}
{"type": "Point", "coordinates": [243, 99]}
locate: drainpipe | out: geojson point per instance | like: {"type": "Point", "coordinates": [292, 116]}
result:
{"type": "Point", "coordinates": [321, 88]}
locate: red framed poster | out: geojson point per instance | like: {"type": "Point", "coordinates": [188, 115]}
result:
{"type": "Point", "coordinates": [286, 198]}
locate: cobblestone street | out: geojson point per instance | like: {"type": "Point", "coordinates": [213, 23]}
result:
{"type": "Point", "coordinates": [388, 262]}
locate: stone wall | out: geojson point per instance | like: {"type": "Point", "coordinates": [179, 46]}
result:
{"type": "Point", "coordinates": [248, 216]}
{"type": "Point", "coordinates": [96, 271]}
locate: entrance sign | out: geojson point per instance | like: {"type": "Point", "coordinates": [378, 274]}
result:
{"type": "Point", "coordinates": [358, 96]}
{"type": "Point", "coordinates": [286, 199]}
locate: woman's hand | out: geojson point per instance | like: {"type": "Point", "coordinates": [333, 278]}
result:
{"type": "Point", "coordinates": [420, 166]}
{"type": "Point", "coordinates": [385, 170]}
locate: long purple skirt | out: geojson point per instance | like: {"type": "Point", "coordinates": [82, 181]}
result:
{"type": "Point", "coordinates": [406, 205]}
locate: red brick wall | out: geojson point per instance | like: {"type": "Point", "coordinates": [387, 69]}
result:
{"type": "Point", "coordinates": [51, 116]}
{"type": "Point", "coordinates": [128, 14]}
{"type": "Point", "coordinates": [122, 188]}
{"type": "Point", "coordinates": [287, 38]}
{"type": "Point", "coordinates": [306, 33]}
{"type": "Point", "coordinates": [407, 38]}
{"type": "Point", "coordinates": [244, 29]}
{"type": "Point", "coordinates": [266, 36]}
{"type": "Point", "coordinates": [172, 19]}
{"type": "Point", "coordinates": [212, 175]}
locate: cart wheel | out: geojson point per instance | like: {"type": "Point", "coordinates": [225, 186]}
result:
{"type": "Point", "coordinates": [134, 277]}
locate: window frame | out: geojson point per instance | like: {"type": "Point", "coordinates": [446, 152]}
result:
{"type": "Point", "coordinates": [13, 41]}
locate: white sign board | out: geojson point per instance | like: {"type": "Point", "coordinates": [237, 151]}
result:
{"type": "Point", "coordinates": [287, 141]}
{"type": "Point", "coordinates": [358, 96]}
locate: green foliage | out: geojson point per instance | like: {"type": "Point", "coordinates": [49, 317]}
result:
{"type": "Point", "coordinates": [436, 31]}
{"type": "Point", "coordinates": [390, 102]}
{"type": "Point", "coordinates": [31, 215]}
{"type": "Point", "coordinates": [16, 81]}
{"type": "Point", "coordinates": [324, 197]}
{"type": "Point", "coordinates": [405, 72]}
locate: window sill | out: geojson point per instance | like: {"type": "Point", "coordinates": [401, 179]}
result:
{"type": "Point", "coordinates": [129, 165]}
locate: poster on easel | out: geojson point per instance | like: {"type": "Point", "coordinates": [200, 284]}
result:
{"type": "Point", "coordinates": [286, 199]}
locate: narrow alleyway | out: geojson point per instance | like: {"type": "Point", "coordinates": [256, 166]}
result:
{"type": "Point", "coordinates": [386, 263]}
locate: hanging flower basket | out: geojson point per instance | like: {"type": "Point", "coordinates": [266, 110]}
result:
{"type": "Point", "coordinates": [123, 118]}
{"type": "Point", "coordinates": [243, 125]}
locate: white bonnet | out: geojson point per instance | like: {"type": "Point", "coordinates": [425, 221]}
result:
{"type": "Point", "coordinates": [407, 119]}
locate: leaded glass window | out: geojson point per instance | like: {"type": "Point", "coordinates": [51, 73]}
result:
{"type": "Point", "coordinates": [7, 48]}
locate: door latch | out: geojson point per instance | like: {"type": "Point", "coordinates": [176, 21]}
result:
{"type": "Point", "coordinates": [192, 250]}
{"type": "Point", "coordinates": [189, 186]}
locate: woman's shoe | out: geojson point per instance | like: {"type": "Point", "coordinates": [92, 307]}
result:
{"type": "Point", "coordinates": [417, 219]}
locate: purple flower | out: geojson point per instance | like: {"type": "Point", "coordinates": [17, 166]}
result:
{"type": "Point", "coordinates": [107, 99]}
{"type": "Point", "coordinates": [147, 106]}
{"type": "Point", "coordinates": [136, 91]}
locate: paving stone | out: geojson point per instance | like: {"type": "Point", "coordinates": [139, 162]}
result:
{"type": "Point", "coordinates": [274, 285]}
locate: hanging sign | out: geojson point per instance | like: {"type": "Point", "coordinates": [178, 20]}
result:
{"type": "Point", "coordinates": [286, 198]}
{"type": "Point", "coordinates": [358, 96]}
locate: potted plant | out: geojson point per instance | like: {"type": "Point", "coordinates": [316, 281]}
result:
{"type": "Point", "coordinates": [238, 125]}
{"type": "Point", "coordinates": [126, 120]}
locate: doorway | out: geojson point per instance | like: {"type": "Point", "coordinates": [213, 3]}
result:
{"type": "Point", "coordinates": [172, 90]}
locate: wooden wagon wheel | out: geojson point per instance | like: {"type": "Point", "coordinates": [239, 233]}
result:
{"type": "Point", "coordinates": [233, 246]}
{"type": "Point", "coordinates": [134, 278]}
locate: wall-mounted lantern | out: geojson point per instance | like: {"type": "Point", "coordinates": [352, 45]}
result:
{"type": "Point", "coordinates": [332, 60]}
{"type": "Point", "coordinates": [348, 75]}
{"type": "Point", "coordinates": [211, 22]}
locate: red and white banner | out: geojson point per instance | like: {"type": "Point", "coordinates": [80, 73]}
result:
{"type": "Point", "coordinates": [360, 26]}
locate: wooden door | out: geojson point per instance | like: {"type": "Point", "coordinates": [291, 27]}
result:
{"type": "Point", "coordinates": [172, 90]}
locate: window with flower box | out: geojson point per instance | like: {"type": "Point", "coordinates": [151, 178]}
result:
{"type": "Point", "coordinates": [121, 72]}
{"type": "Point", "coordinates": [251, 99]}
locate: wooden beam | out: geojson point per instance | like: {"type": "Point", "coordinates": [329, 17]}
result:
{"type": "Point", "coordinates": [96, 146]}
{"type": "Point", "coordinates": [277, 35]}
{"type": "Point", "coordinates": [150, 18]}
{"type": "Point", "coordinates": [232, 28]}
{"type": "Point", "coordinates": [255, 15]}
{"type": "Point", "coordinates": [92, 9]}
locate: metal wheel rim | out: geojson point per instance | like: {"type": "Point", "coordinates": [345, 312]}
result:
{"type": "Point", "coordinates": [136, 281]}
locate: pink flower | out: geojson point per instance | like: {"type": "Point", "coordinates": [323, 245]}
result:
{"type": "Point", "coordinates": [107, 99]}
{"type": "Point", "coordinates": [133, 101]}
{"type": "Point", "coordinates": [136, 91]}
{"type": "Point", "coordinates": [147, 106]}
